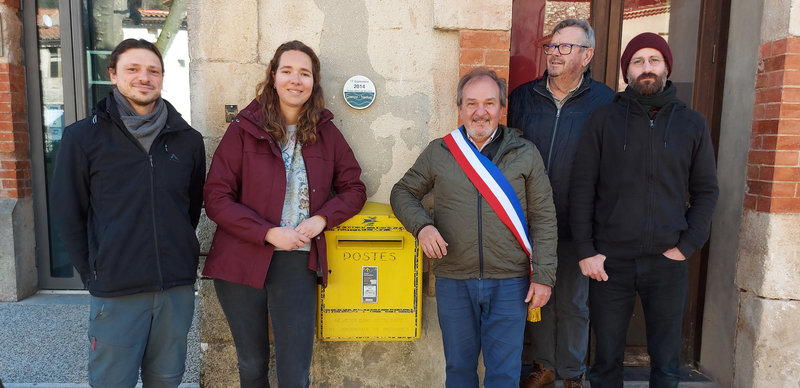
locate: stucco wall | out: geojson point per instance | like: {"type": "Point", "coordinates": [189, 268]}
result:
{"type": "Point", "coordinates": [410, 50]}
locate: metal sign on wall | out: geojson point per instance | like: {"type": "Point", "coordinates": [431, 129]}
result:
{"type": "Point", "coordinates": [359, 92]}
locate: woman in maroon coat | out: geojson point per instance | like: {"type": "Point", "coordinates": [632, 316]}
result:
{"type": "Point", "coordinates": [281, 174]}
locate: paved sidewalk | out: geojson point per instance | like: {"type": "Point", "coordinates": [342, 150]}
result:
{"type": "Point", "coordinates": [43, 342]}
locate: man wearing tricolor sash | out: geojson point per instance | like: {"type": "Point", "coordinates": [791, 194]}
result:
{"type": "Point", "coordinates": [492, 233]}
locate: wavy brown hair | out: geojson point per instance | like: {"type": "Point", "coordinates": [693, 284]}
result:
{"type": "Point", "coordinates": [266, 95]}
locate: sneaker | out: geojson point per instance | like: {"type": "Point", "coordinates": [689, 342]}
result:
{"type": "Point", "coordinates": [578, 382]}
{"type": "Point", "coordinates": [540, 377]}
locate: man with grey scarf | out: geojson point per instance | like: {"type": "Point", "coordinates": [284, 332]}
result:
{"type": "Point", "coordinates": [126, 199]}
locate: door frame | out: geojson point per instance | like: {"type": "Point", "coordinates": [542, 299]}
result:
{"type": "Point", "coordinates": [73, 84]}
{"type": "Point", "coordinates": [709, 77]}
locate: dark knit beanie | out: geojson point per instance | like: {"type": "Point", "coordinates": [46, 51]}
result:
{"type": "Point", "coordinates": [645, 40]}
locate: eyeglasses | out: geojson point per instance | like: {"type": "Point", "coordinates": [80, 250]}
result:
{"type": "Point", "coordinates": [639, 61]}
{"type": "Point", "coordinates": [563, 48]}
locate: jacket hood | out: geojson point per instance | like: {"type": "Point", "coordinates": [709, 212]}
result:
{"type": "Point", "coordinates": [252, 115]}
{"type": "Point", "coordinates": [633, 107]}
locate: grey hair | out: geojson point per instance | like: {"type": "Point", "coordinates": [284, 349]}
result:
{"type": "Point", "coordinates": [588, 32]}
{"type": "Point", "coordinates": [480, 72]}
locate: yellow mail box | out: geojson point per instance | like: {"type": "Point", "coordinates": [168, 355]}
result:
{"type": "Point", "coordinates": [374, 288]}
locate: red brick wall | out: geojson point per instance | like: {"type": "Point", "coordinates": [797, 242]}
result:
{"type": "Point", "coordinates": [480, 48]}
{"type": "Point", "coordinates": [15, 166]}
{"type": "Point", "coordinates": [773, 166]}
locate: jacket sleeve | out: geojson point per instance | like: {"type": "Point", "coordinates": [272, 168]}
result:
{"type": "Point", "coordinates": [197, 181]}
{"type": "Point", "coordinates": [512, 114]}
{"type": "Point", "coordinates": [222, 192]}
{"type": "Point", "coordinates": [542, 226]}
{"type": "Point", "coordinates": [583, 187]}
{"type": "Point", "coordinates": [407, 193]}
{"type": "Point", "coordinates": [69, 201]}
{"type": "Point", "coordinates": [349, 191]}
{"type": "Point", "coordinates": [703, 194]}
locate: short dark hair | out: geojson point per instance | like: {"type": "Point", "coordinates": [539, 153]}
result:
{"type": "Point", "coordinates": [480, 72]}
{"type": "Point", "coordinates": [588, 32]}
{"type": "Point", "coordinates": [131, 43]}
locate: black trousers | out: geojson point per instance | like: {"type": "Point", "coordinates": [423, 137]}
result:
{"type": "Point", "coordinates": [289, 299]}
{"type": "Point", "coordinates": [662, 285]}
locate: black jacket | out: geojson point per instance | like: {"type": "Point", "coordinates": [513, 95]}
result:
{"type": "Point", "coordinates": [127, 218]}
{"type": "Point", "coordinates": [642, 186]}
{"type": "Point", "coordinates": [556, 132]}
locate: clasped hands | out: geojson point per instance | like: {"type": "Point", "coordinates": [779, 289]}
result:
{"type": "Point", "coordinates": [288, 239]}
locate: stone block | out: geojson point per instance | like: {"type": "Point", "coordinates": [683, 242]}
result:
{"type": "Point", "coordinates": [767, 344]}
{"type": "Point", "coordinates": [223, 30]}
{"type": "Point", "coordinates": [769, 255]}
{"type": "Point", "coordinates": [213, 326]}
{"type": "Point", "coordinates": [219, 366]}
{"type": "Point", "coordinates": [18, 274]}
{"type": "Point", "coordinates": [367, 364]}
{"type": "Point", "coordinates": [12, 35]}
{"type": "Point", "coordinates": [285, 20]}
{"type": "Point", "coordinates": [216, 84]}
{"type": "Point", "coordinates": [472, 14]}
{"type": "Point", "coordinates": [205, 233]}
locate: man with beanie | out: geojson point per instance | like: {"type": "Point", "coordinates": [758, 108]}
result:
{"type": "Point", "coordinates": [642, 193]}
{"type": "Point", "coordinates": [551, 112]}
{"type": "Point", "coordinates": [126, 199]}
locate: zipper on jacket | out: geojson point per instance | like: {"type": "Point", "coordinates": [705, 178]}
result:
{"type": "Point", "coordinates": [480, 238]}
{"type": "Point", "coordinates": [153, 216]}
{"type": "Point", "coordinates": [552, 141]}
{"type": "Point", "coordinates": [650, 187]}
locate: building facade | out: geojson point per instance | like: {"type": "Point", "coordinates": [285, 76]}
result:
{"type": "Point", "coordinates": [737, 61]}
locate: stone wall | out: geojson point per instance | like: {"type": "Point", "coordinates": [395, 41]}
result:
{"type": "Point", "coordinates": [414, 51]}
{"type": "Point", "coordinates": [767, 350]}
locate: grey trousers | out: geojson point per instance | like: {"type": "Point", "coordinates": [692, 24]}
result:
{"type": "Point", "coordinates": [560, 340]}
{"type": "Point", "coordinates": [146, 331]}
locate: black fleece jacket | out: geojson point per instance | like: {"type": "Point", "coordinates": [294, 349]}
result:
{"type": "Point", "coordinates": [642, 186]}
{"type": "Point", "coordinates": [127, 217]}
{"type": "Point", "coordinates": [555, 132]}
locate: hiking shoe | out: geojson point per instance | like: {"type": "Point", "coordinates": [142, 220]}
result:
{"type": "Point", "coordinates": [540, 377]}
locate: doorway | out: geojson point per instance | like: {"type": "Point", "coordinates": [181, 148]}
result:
{"type": "Point", "coordinates": [697, 33]}
{"type": "Point", "coordinates": [67, 43]}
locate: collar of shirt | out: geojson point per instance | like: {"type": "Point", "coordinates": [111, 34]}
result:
{"type": "Point", "coordinates": [569, 94]}
{"type": "Point", "coordinates": [494, 133]}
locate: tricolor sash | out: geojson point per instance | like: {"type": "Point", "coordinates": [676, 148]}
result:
{"type": "Point", "coordinates": [493, 185]}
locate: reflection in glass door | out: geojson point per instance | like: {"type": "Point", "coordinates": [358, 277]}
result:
{"type": "Point", "coordinates": [73, 42]}
{"type": "Point", "coordinates": [48, 22]}
{"type": "Point", "coordinates": [531, 27]}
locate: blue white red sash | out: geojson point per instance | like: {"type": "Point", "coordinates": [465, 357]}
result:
{"type": "Point", "coordinates": [493, 185]}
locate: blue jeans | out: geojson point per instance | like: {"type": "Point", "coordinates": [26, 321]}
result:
{"type": "Point", "coordinates": [487, 314]}
{"type": "Point", "coordinates": [560, 340]}
{"type": "Point", "coordinates": [662, 285]}
{"type": "Point", "coordinates": [289, 299]}
{"type": "Point", "coordinates": [146, 331]}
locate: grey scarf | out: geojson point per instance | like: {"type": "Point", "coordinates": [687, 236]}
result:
{"type": "Point", "coordinates": [144, 128]}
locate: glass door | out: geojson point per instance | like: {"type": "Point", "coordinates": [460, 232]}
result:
{"type": "Point", "coordinates": [68, 49]}
{"type": "Point", "coordinates": [531, 27]}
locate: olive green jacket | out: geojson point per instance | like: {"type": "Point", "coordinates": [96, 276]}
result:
{"type": "Point", "coordinates": [479, 244]}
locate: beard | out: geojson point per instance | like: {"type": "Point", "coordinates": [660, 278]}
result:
{"type": "Point", "coordinates": [650, 86]}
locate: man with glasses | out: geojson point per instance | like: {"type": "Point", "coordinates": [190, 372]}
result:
{"type": "Point", "coordinates": [551, 112]}
{"type": "Point", "coordinates": [642, 193]}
